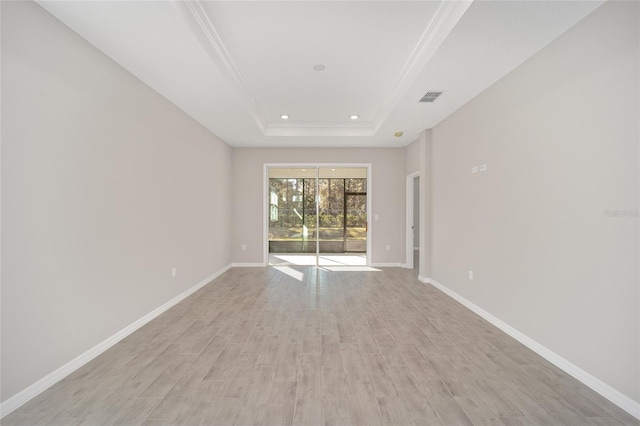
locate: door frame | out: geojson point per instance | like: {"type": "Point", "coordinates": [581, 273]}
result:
{"type": "Point", "coordinates": [409, 220]}
{"type": "Point", "coordinates": [265, 200]}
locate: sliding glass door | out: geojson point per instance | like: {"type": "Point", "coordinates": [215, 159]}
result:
{"type": "Point", "coordinates": [318, 210]}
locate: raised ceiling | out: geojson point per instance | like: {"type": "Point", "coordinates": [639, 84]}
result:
{"type": "Point", "coordinates": [238, 66]}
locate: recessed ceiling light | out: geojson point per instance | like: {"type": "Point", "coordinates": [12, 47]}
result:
{"type": "Point", "coordinates": [333, 170]}
{"type": "Point", "coordinates": [354, 116]}
{"type": "Point", "coordinates": [319, 67]}
{"type": "Point", "coordinates": [398, 134]}
{"type": "Point", "coordinates": [284, 116]}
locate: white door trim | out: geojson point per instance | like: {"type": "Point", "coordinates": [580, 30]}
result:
{"type": "Point", "coordinates": [409, 221]}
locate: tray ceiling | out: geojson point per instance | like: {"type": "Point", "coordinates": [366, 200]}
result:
{"type": "Point", "coordinates": [238, 66]}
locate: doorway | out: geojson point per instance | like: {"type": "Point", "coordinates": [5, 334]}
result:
{"type": "Point", "coordinates": [317, 215]}
{"type": "Point", "coordinates": [413, 221]}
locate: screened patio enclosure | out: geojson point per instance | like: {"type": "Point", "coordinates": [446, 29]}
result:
{"type": "Point", "coordinates": [317, 210]}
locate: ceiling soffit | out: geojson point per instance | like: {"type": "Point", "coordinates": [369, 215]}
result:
{"type": "Point", "coordinates": [210, 39]}
{"type": "Point", "coordinates": [437, 28]}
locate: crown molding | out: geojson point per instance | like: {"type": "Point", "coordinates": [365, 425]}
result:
{"type": "Point", "coordinates": [438, 28]}
{"type": "Point", "coordinates": [319, 129]}
{"type": "Point", "coordinates": [206, 33]}
{"type": "Point", "coordinates": [447, 16]}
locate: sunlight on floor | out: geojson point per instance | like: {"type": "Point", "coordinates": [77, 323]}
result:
{"type": "Point", "coordinates": [342, 260]}
{"type": "Point", "coordinates": [292, 259]}
{"type": "Point", "coordinates": [325, 260]}
{"type": "Point", "coordinates": [349, 268]}
{"type": "Point", "coordinates": [291, 272]}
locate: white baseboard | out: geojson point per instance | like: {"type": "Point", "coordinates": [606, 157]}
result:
{"type": "Point", "coordinates": [387, 265]}
{"type": "Point", "coordinates": [423, 279]}
{"type": "Point", "coordinates": [629, 405]}
{"type": "Point", "coordinates": [248, 265]}
{"type": "Point", "coordinates": [54, 377]}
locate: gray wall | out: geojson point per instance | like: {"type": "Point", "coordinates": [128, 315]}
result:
{"type": "Point", "coordinates": [418, 158]}
{"type": "Point", "coordinates": [412, 160]}
{"type": "Point", "coordinates": [387, 199]}
{"type": "Point", "coordinates": [560, 138]}
{"type": "Point", "coordinates": [105, 187]}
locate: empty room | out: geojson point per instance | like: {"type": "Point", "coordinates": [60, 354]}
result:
{"type": "Point", "coordinates": [320, 212]}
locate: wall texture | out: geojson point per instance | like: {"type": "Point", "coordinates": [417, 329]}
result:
{"type": "Point", "coordinates": [560, 137]}
{"type": "Point", "coordinates": [412, 160]}
{"type": "Point", "coordinates": [106, 186]}
{"type": "Point", "coordinates": [387, 199]}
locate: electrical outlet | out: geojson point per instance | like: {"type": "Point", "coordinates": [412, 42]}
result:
{"type": "Point", "coordinates": [474, 169]}
{"type": "Point", "coordinates": [483, 167]}
{"type": "Point", "coordinates": [174, 272]}
{"type": "Point", "coordinates": [388, 247]}
{"type": "Point", "coordinates": [471, 275]}
{"type": "Point", "coordinates": [244, 247]}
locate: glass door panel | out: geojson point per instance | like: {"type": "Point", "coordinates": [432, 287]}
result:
{"type": "Point", "coordinates": [292, 211]}
{"type": "Point", "coordinates": [356, 215]}
{"type": "Point", "coordinates": [356, 223]}
{"type": "Point", "coordinates": [342, 213]}
{"type": "Point", "coordinates": [309, 210]}
{"type": "Point", "coordinates": [331, 208]}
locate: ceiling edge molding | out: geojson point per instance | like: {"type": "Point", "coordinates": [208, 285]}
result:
{"type": "Point", "coordinates": [319, 129]}
{"type": "Point", "coordinates": [206, 33]}
{"type": "Point", "coordinates": [447, 16]}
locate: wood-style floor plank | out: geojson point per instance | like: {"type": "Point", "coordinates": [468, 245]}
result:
{"type": "Point", "coordinates": [259, 347]}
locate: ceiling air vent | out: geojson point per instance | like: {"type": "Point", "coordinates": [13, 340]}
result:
{"type": "Point", "coordinates": [430, 96]}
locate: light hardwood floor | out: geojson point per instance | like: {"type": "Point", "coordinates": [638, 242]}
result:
{"type": "Point", "coordinates": [258, 346]}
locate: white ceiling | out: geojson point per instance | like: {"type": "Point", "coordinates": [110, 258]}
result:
{"type": "Point", "coordinates": [236, 66]}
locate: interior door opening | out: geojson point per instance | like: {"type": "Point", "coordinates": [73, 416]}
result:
{"type": "Point", "coordinates": [413, 222]}
{"type": "Point", "coordinates": [317, 215]}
